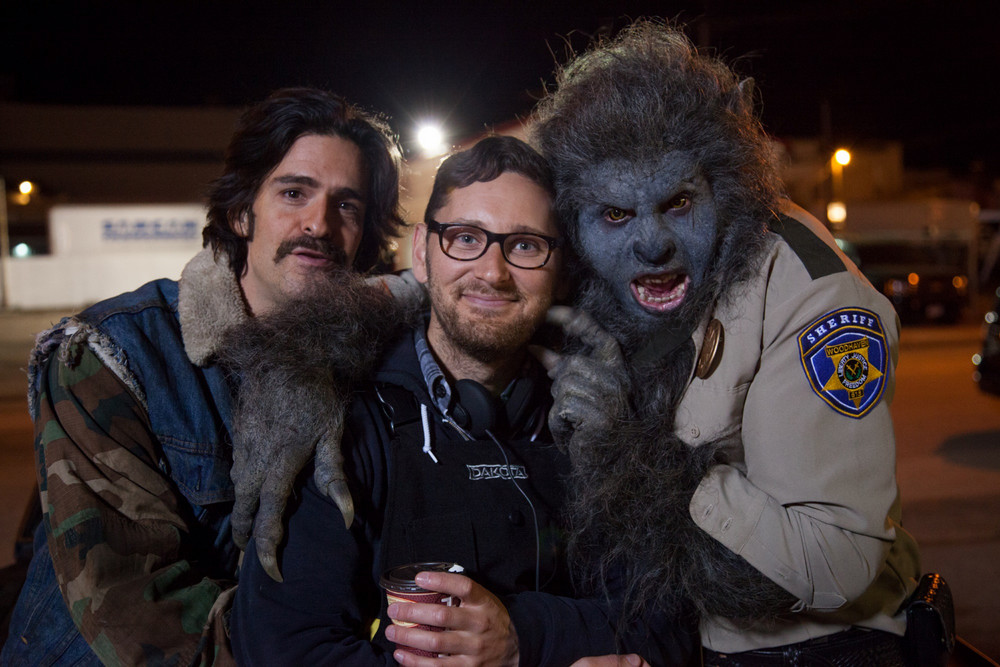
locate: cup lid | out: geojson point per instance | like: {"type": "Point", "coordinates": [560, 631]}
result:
{"type": "Point", "coordinates": [401, 578]}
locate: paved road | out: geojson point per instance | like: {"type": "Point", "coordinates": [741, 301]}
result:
{"type": "Point", "coordinates": [16, 465]}
{"type": "Point", "coordinates": [948, 465]}
{"type": "Point", "coordinates": [948, 458]}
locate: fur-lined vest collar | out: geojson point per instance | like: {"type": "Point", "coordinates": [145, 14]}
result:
{"type": "Point", "coordinates": [209, 302]}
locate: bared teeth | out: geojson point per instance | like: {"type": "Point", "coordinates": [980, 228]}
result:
{"type": "Point", "coordinates": [673, 295]}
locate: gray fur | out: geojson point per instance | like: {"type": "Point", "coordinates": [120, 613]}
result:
{"type": "Point", "coordinates": [632, 488]}
{"type": "Point", "coordinates": [643, 95]}
{"type": "Point", "coordinates": [638, 98]}
{"type": "Point", "coordinates": [210, 301]}
{"type": "Point", "coordinates": [295, 369]}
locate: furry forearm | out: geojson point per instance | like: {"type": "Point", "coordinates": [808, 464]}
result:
{"type": "Point", "coordinates": [722, 583]}
{"type": "Point", "coordinates": [647, 527]}
{"type": "Point", "coordinates": [295, 369]}
{"type": "Point", "coordinates": [631, 490]}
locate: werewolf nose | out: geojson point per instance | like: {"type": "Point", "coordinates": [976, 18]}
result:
{"type": "Point", "coordinates": [654, 251]}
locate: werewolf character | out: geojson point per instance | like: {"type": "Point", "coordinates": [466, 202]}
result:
{"type": "Point", "coordinates": [726, 406]}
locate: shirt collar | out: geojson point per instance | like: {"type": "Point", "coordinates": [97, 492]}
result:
{"type": "Point", "coordinates": [437, 384]}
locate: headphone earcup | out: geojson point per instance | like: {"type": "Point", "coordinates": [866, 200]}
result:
{"type": "Point", "coordinates": [476, 409]}
{"type": "Point", "coordinates": [521, 405]}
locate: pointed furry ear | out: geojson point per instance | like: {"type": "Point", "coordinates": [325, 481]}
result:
{"type": "Point", "coordinates": [743, 98]}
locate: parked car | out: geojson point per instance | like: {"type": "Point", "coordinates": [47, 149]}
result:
{"type": "Point", "coordinates": [926, 282]}
{"type": "Point", "coordinates": [987, 362]}
{"type": "Point", "coordinates": [927, 294]}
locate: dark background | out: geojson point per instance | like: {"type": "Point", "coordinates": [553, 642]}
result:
{"type": "Point", "coordinates": [923, 72]}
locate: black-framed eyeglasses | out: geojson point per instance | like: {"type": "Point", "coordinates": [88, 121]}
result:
{"type": "Point", "coordinates": [468, 242]}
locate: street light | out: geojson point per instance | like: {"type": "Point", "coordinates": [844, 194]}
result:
{"type": "Point", "coordinates": [841, 158]}
{"type": "Point", "coordinates": [430, 138]}
{"type": "Point", "coordinates": [836, 211]}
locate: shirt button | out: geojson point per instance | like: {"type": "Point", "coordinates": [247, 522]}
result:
{"type": "Point", "coordinates": [516, 518]}
{"type": "Point", "coordinates": [695, 432]}
{"type": "Point", "coordinates": [439, 390]}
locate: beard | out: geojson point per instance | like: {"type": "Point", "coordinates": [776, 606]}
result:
{"type": "Point", "coordinates": [491, 336]}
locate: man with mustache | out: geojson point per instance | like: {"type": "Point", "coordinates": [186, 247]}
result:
{"type": "Point", "coordinates": [445, 449]}
{"type": "Point", "coordinates": [134, 561]}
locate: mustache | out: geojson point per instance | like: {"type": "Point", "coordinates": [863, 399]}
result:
{"type": "Point", "coordinates": [323, 246]}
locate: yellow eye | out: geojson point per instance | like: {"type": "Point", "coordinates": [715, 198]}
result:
{"type": "Point", "coordinates": [679, 202]}
{"type": "Point", "coordinates": [615, 214]}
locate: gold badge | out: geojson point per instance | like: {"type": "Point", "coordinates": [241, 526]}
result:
{"type": "Point", "coordinates": [711, 350]}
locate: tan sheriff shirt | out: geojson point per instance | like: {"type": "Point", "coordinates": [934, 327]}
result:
{"type": "Point", "coordinates": [805, 375]}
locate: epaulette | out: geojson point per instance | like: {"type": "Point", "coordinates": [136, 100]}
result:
{"type": "Point", "coordinates": [818, 258]}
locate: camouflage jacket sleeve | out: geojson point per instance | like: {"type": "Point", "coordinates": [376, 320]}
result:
{"type": "Point", "coordinates": [116, 525]}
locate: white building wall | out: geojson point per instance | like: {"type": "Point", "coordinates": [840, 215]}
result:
{"type": "Point", "coordinates": [101, 251]}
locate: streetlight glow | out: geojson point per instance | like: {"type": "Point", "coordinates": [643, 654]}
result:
{"type": "Point", "coordinates": [430, 138]}
{"type": "Point", "coordinates": [26, 187]}
{"type": "Point", "coordinates": [836, 212]}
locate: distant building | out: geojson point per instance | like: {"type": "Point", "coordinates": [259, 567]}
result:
{"type": "Point", "coordinates": [875, 172]}
{"type": "Point", "coordinates": [106, 155]}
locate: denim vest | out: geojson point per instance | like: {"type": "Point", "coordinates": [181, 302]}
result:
{"type": "Point", "coordinates": [189, 412]}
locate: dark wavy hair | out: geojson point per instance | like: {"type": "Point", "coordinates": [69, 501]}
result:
{"type": "Point", "coordinates": [264, 135]}
{"type": "Point", "coordinates": [645, 93]}
{"type": "Point", "coordinates": [488, 159]}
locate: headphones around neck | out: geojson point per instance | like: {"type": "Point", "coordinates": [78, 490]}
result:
{"type": "Point", "coordinates": [477, 410]}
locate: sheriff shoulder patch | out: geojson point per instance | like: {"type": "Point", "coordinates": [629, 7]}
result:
{"type": "Point", "coordinates": [844, 355]}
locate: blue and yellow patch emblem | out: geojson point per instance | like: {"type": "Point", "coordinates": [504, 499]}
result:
{"type": "Point", "coordinates": [845, 356]}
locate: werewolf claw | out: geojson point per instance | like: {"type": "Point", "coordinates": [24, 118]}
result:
{"type": "Point", "coordinates": [268, 561]}
{"type": "Point", "coordinates": [337, 489]}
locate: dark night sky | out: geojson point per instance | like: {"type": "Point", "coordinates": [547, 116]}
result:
{"type": "Point", "coordinates": [925, 72]}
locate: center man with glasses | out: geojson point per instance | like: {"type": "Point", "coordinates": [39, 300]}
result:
{"type": "Point", "coordinates": [449, 459]}
{"type": "Point", "coordinates": [468, 242]}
